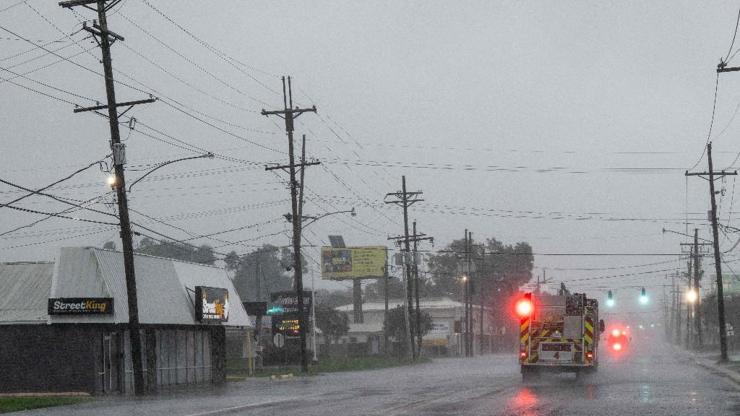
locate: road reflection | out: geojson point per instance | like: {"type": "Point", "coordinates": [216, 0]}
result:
{"type": "Point", "coordinates": [524, 402]}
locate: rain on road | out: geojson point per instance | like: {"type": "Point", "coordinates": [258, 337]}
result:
{"type": "Point", "coordinates": [654, 379]}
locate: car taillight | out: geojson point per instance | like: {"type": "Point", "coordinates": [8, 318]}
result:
{"type": "Point", "coordinates": [590, 355]}
{"type": "Point", "coordinates": [617, 347]}
{"type": "Point", "coordinates": [523, 354]}
{"type": "Point", "coordinates": [615, 332]}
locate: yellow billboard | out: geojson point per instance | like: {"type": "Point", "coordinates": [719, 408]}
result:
{"type": "Point", "coordinates": [353, 262]}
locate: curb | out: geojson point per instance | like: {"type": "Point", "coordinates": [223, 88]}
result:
{"type": "Point", "coordinates": [56, 394]}
{"type": "Point", "coordinates": [733, 376]}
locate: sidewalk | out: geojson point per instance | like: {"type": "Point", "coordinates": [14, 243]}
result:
{"type": "Point", "coordinates": [710, 361]}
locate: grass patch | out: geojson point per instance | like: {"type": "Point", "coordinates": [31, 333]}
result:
{"type": "Point", "coordinates": [15, 404]}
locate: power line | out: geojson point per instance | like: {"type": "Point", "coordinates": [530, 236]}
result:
{"type": "Point", "coordinates": [64, 201]}
{"type": "Point", "coordinates": [67, 237]}
{"type": "Point", "coordinates": [737, 21]}
{"type": "Point", "coordinates": [53, 214]}
{"type": "Point", "coordinates": [711, 123]}
{"type": "Point", "coordinates": [226, 58]}
{"type": "Point", "coordinates": [195, 64]}
{"type": "Point", "coordinates": [66, 178]}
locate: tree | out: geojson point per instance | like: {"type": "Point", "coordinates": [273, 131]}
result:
{"type": "Point", "coordinates": [375, 291]}
{"type": "Point", "coordinates": [395, 325]}
{"type": "Point", "coordinates": [260, 273]}
{"type": "Point", "coordinates": [332, 323]}
{"type": "Point", "coordinates": [232, 261]}
{"type": "Point", "coordinates": [334, 298]}
{"type": "Point", "coordinates": [178, 251]}
{"type": "Point", "coordinates": [500, 270]}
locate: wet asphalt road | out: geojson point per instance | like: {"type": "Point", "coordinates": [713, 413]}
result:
{"type": "Point", "coordinates": [657, 381]}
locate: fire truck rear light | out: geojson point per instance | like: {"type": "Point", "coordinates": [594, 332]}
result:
{"type": "Point", "coordinates": [615, 332]}
{"type": "Point", "coordinates": [617, 347]}
{"type": "Point", "coordinates": [524, 307]}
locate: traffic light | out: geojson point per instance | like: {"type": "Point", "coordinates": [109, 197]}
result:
{"type": "Point", "coordinates": [643, 297]}
{"type": "Point", "coordinates": [610, 299]}
{"type": "Point", "coordinates": [275, 310]}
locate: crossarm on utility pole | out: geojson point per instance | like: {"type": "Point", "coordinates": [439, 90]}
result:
{"type": "Point", "coordinates": [123, 104]}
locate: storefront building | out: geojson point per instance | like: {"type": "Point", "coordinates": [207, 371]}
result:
{"type": "Point", "coordinates": [63, 325]}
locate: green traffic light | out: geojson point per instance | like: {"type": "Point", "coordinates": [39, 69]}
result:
{"type": "Point", "coordinates": [610, 299]}
{"type": "Point", "coordinates": [643, 297]}
{"type": "Point", "coordinates": [275, 310]}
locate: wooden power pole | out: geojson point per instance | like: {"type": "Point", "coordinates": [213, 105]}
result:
{"type": "Point", "coordinates": [289, 114]}
{"type": "Point", "coordinates": [105, 38]}
{"type": "Point", "coordinates": [711, 176]}
{"type": "Point", "coordinates": [405, 199]}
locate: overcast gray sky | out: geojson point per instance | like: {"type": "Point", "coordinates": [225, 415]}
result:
{"type": "Point", "coordinates": [568, 125]}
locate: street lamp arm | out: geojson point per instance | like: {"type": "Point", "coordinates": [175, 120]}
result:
{"type": "Point", "coordinates": [169, 162]}
{"type": "Point", "coordinates": [315, 218]}
{"type": "Point", "coordinates": [665, 230]}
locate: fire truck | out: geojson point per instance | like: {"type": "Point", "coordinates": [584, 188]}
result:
{"type": "Point", "coordinates": [558, 333]}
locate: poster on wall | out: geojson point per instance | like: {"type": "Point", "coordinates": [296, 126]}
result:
{"type": "Point", "coordinates": [211, 304]}
{"type": "Point", "coordinates": [353, 262]}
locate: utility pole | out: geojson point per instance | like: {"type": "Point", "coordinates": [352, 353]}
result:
{"type": "Point", "coordinates": [673, 307]}
{"type": "Point", "coordinates": [471, 288]}
{"type": "Point", "coordinates": [416, 293]}
{"type": "Point", "coordinates": [466, 292]}
{"type": "Point", "coordinates": [416, 238]}
{"type": "Point", "coordinates": [105, 38]}
{"type": "Point", "coordinates": [689, 305]}
{"type": "Point", "coordinates": [289, 114]}
{"type": "Point", "coordinates": [697, 305]}
{"type": "Point", "coordinates": [678, 313]}
{"type": "Point", "coordinates": [481, 279]}
{"type": "Point", "coordinates": [717, 258]}
{"type": "Point", "coordinates": [405, 199]}
{"type": "Point", "coordinates": [385, 296]}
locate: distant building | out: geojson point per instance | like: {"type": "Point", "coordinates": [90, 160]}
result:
{"type": "Point", "coordinates": [64, 323]}
{"type": "Point", "coordinates": [445, 337]}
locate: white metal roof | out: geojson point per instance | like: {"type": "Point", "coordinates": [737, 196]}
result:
{"type": "Point", "coordinates": [164, 287]}
{"type": "Point", "coordinates": [426, 304]}
{"type": "Point", "coordinates": [25, 292]}
{"type": "Point", "coordinates": [365, 328]}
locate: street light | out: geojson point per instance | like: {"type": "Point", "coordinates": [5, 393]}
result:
{"type": "Point", "coordinates": [692, 296]}
{"type": "Point", "coordinates": [111, 180]}
{"type": "Point", "coordinates": [314, 218]}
